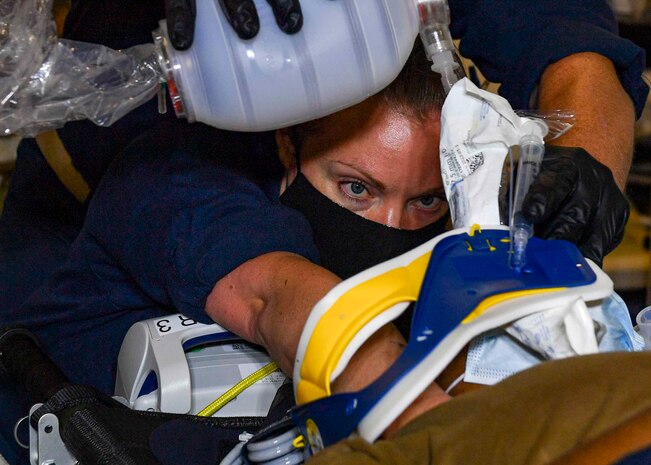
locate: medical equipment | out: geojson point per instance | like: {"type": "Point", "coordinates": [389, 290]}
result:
{"type": "Point", "coordinates": [643, 320]}
{"type": "Point", "coordinates": [177, 365]}
{"type": "Point", "coordinates": [477, 129]}
{"type": "Point", "coordinates": [345, 52]}
{"type": "Point", "coordinates": [532, 151]}
{"type": "Point", "coordinates": [45, 441]}
{"type": "Point", "coordinates": [21, 357]}
{"type": "Point", "coordinates": [468, 288]}
{"type": "Point", "coordinates": [462, 284]}
{"type": "Point", "coordinates": [46, 82]}
{"type": "Point", "coordinates": [435, 34]}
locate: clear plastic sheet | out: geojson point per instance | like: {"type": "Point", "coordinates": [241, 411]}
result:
{"type": "Point", "coordinates": [46, 82]}
{"type": "Point", "coordinates": [558, 121]}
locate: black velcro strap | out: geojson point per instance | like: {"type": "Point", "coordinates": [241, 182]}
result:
{"type": "Point", "coordinates": [69, 397]}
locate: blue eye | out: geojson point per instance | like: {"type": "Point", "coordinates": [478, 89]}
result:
{"type": "Point", "coordinates": [357, 188]}
{"type": "Point", "coordinates": [429, 202]}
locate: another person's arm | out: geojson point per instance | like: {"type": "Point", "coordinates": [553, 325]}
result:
{"type": "Point", "coordinates": [578, 194]}
{"type": "Point", "coordinates": [565, 56]}
{"type": "Point", "coordinates": [514, 42]}
{"type": "Point", "coordinates": [587, 83]}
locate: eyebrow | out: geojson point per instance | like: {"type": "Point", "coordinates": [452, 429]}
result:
{"type": "Point", "coordinates": [434, 192]}
{"type": "Point", "coordinates": [369, 178]}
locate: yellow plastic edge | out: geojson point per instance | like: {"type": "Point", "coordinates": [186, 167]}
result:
{"type": "Point", "coordinates": [499, 298]}
{"type": "Point", "coordinates": [347, 316]}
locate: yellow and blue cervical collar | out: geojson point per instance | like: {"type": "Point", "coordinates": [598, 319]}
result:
{"type": "Point", "coordinates": [462, 285]}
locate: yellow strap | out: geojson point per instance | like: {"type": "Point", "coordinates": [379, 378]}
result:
{"type": "Point", "coordinates": [347, 316]}
{"type": "Point", "coordinates": [59, 159]}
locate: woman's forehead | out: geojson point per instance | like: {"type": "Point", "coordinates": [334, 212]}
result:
{"type": "Point", "coordinates": [375, 125]}
{"type": "Point", "coordinates": [394, 149]}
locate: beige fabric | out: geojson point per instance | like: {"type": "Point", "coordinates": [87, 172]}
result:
{"type": "Point", "coordinates": [531, 418]}
{"type": "Point", "coordinates": [59, 160]}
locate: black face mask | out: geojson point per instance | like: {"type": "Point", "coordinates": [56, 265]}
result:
{"type": "Point", "coordinates": [349, 243]}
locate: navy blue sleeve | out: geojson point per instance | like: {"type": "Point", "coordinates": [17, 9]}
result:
{"type": "Point", "coordinates": [513, 41]}
{"type": "Point", "coordinates": [180, 209]}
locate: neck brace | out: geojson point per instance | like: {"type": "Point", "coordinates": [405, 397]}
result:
{"type": "Point", "coordinates": [463, 286]}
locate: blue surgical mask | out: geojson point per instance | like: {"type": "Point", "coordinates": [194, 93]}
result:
{"type": "Point", "coordinates": [620, 334]}
{"type": "Point", "coordinates": [494, 355]}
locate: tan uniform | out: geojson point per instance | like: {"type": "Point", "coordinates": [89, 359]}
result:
{"type": "Point", "coordinates": [531, 418]}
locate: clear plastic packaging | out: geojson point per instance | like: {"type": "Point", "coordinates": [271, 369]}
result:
{"type": "Point", "coordinates": [45, 82]}
{"type": "Point", "coordinates": [558, 121]}
{"type": "Point", "coordinates": [478, 129]}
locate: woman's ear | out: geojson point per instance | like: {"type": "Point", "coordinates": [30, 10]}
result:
{"type": "Point", "coordinates": [286, 148]}
{"type": "Point", "coordinates": [287, 155]}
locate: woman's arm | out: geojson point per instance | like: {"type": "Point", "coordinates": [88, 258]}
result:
{"type": "Point", "coordinates": [268, 299]}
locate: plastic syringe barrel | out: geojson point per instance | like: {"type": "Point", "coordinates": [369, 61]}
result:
{"type": "Point", "coordinates": [532, 150]}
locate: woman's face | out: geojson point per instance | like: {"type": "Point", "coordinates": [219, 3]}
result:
{"type": "Point", "coordinates": [376, 162]}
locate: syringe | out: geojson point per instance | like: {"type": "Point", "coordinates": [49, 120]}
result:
{"type": "Point", "coordinates": [532, 150]}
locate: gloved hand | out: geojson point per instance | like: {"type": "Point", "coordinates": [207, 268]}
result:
{"type": "Point", "coordinates": [574, 197]}
{"type": "Point", "coordinates": [241, 15]}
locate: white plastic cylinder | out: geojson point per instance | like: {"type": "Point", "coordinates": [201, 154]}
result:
{"type": "Point", "coordinates": [346, 51]}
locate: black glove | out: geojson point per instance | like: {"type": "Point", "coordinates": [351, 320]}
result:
{"type": "Point", "coordinates": [241, 15]}
{"type": "Point", "coordinates": [574, 197]}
